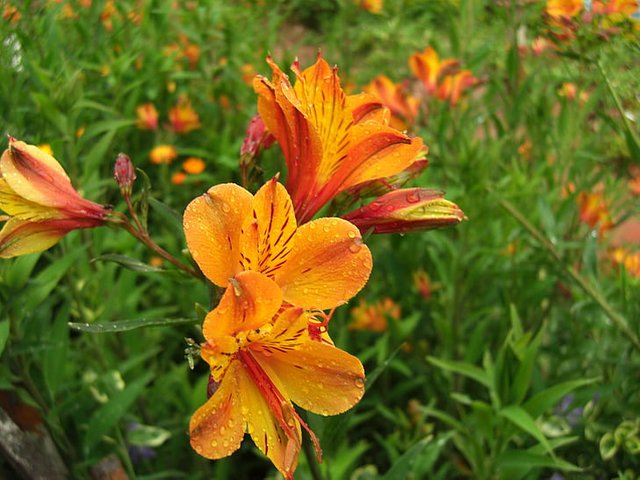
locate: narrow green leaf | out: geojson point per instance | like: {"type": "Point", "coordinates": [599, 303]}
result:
{"type": "Point", "coordinates": [55, 362]}
{"type": "Point", "coordinates": [466, 369]}
{"type": "Point", "coordinates": [125, 325]}
{"type": "Point", "coordinates": [521, 419]}
{"type": "Point", "coordinates": [518, 462]}
{"type": "Point", "coordinates": [544, 400]}
{"type": "Point", "coordinates": [128, 262]}
{"type": "Point", "coordinates": [4, 334]}
{"type": "Point", "coordinates": [167, 213]}
{"type": "Point", "coordinates": [108, 415]}
{"type": "Point", "coordinates": [426, 450]}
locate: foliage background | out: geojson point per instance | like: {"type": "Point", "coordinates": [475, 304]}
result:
{"type": "Point", "coordinates": [461, 384]}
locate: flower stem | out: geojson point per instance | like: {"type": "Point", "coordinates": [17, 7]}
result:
{"type": "Point", "coordinates": [618, 320]}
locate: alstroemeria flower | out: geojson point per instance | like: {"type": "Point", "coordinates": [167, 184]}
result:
{"type": "Point", "coordinates": [183, 117]}
{"type": "Point", "coordinates": [320, 264]}
{"type": "Point", "coordinates": [453, 86]}
{"type": "Point", "coordinates": [564, 8]}
{"type": "Point", "coordinates": [41, 204]}
{"type": "Point", "coordinates": [403, 107]}
{"type": "Point", "coordinates": [429, 69]}
{"type": "Point", "coordinates": [406, 210]}
{"type": "Point", "coordinates": [147, 116]}
{"type": "Point", "coordinates": [331, 142]}
{"type": "Point", "coordinates": [262, 358]}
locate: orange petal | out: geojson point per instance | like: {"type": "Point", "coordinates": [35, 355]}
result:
{"type": "Point", "coordinates": [37, 176]}
{"type": "Point", "coordinates": [20, 237]}
{"type": "Point", "coordinates": [318, 377]}
{"type": "Point", "coordinates": [266, 236]}
{"type": "Point", "coordinates": [270, 418]}
{"type": "Point", "coordinates": [216, 429]}
{"type": "Point", "coordinates": [327, 266]}
{"type": "Point", "coordinates": [212, 226]}
{"type": "Point", "coordinates": [251, 300]}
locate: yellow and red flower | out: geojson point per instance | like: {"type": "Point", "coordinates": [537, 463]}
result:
{"type": "Point", "coordinates": [262, 358]}
{"type": "Point", "coordinates": [406, 210]}
{"type": "Point", "coordinates": [318, 265]}
{"type": "Point", "coordinates": [374, 317]}
{"type": "Point", "coordinates": [183, 117]}
{"type": "Point", "coordinates": [403, 107]}
{"type": "Point", "coordinates": [331, 142]}
{"type": "Point", "coordinates": [147, 116]}
{"type": "Point", "coordinates": [594, 211]}
{"type": "Point", "coordinates": [163, 154]}
{"type": "Point", "coordinates": [429, 69]}
{"type": "Point", "coordinates": [41, 204]}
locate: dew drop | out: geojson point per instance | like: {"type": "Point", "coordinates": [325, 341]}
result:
{"type": "Point", "coordinates": [214, 443]}
{"type": "Point", "coordinates": [226, 208]}
{"type": "Point", "coordinates": [356, 245]}
{"type": "Point", "coordinates": [413, 198]}
{"type": "Point", "coordinates": [352, 234]}
{"type": "Point", "coordinates": [360, 382]}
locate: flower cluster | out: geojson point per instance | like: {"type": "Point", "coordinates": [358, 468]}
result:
{"type": "Point", "coordinates": [267, 342]}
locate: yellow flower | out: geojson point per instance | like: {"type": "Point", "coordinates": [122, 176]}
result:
{"type": "Point", "coordinates": [564, 8]}
{"type": "Point", "coordinates": [183, 117]}
{"type": "Point", "coordinates": [147, 116]}
{"type": "Point", "coordinates": [41, 204]}
{"type": "Point", "coordinates": [163, 154]}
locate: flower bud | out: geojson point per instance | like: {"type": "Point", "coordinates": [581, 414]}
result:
{"type": "Point", "coordinates": [124, 173]}
{"type": "Point", "coordinates": [406, 210]}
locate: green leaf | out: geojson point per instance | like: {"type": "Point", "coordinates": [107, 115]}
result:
{"type": "Point", "coordinates": [544, 400]}
{"type": "Point", "coordinates": [517, 463]}
{"type": "Point", "coordinates": [49, 278]}
{"type": "Point", "coordinates": [55, 358]}
{"type": "Point", "coordinates": [108, 415]}
{"type": "Point", "coordinates": [608, 446]}
{"type": "Point", "coordinates": [128, 262]}
{"type": "Point", "coordinates": [520, 418]}
{"type": "Point", "coordinates": [125, 325]}
{"type": "Point", "coordinates": [466, 369]}
{"type": "Point", "coordinates": [167, 213]}
{"type": "Point", "coordinates": [426, 450]}
{"type": "Point", "coordinates": [4, 334]}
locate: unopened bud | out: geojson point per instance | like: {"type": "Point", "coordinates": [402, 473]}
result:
{"type": "Point", "coordinates": [124, 173]}
{"type": "Point", "coordinates": [256, 139]}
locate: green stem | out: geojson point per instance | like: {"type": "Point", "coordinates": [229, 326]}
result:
{"type": "Point", "coordinates": [309, 452]}
{"type": "Point", "coordinates": [618, 103]}
{"type": "Point", "coordinates": [618, 320]}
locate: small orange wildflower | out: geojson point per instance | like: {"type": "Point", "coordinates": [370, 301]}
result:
{"type": "Point", "coordinates": [228, 231]}
{"type": "Point", "coordinates": [183, 117]}
{"type": "Point", "coordinates": [262, 358]}
{"type": "Point", "coordinates": [422, 284]}
{"type": "Point", "coordinates": [629, 260]}
{"type": "Point", "coordinates": [374, 317]}
{"type": "Point", "coordinates": [331, 142]}
{"type": "Point", "coordinates": [147, 116]}
{"type": "Point", "coordinates": [404, 107]}
{"type": "Point", "coordinates": [371, 6]}
{"type": "Point", "coordinates": [248, 73]}
{"type": "Point", "coordinates": [594, 211]}
{"type": "Point", "coordinates": [41, 204]}
{"type": "Point", "coordinates": [163, 154]}
{"type": "Point", "coordinates": [429, 69]}
{"type": "Point", "coordinates": [46, 148]}
{"type": "Point", "coordinates": [193, 165]}
{"type": "Point", "coordinates": [11, 14]}
{"type": "Point", "coordinates": [178, 178]}
{"type": "Point", "coordinates": [564, 8]}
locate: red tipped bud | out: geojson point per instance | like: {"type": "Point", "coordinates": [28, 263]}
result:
{"type": "Point", "coordinates": [406, 210]}
{"type": "Point", "coordinates": [256, 139]}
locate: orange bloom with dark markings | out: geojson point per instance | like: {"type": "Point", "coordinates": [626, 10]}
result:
{"type": "Point", "coordinates": [262, 358]}
{"type": "Point", "coordinates": [453, 86]}
{"type": "Point", "coordinates": [263, 341]}
{"type": "Point", "coordinates": [331, 142]}
{"type": "Point", "coordinates": [41, 204]}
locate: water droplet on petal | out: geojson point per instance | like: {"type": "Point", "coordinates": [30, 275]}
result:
{"type": "Point", "coordinates": [360, 382]}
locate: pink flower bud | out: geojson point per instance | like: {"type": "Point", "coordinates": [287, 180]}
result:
{"type": "Point", "coordinates": [124, 173]}
{"type": "Point", "coordinates": [256, 139]}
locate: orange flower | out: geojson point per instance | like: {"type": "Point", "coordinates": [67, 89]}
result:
{"type": "Point", "coordinates": [193, 165]}
{"type": "Point", "coordinates": [564, 8]}
{"type": "Point", "coordinates": [178, 178]}
{"type": "Point", "coordinates": [320, 265]}
{"type": "Point", "coordinates": [163, 154]}
{"type": "Point", "coordinates": [406, 210]}
{"type": "Point", "coordinates": [422, 283]}
{"type": "Point", "coordinates": [594, 211]}
{"type": "Point", "coordinates": [183, 117]}
{"type": "Point", "coordinates": [11, 14]}
{"type": "Point", "coordinates": [404, 107]}
{"type": "Point", "coordinates": [262, 358]}
{"type": "Point", "coordinates": [374, 317]}
{"type": "Point", "coordinates": [371, 6]}
{"type": "Point", "coordinates": [248, 73]}
{"type": "Point", "coordinates": [428, 67]}
{"type": "Point", "coordinates": [331, 142]}
{"type": "Point", "coordinates": [612, 7]}
{"type": "Point", "coordinates": [41, 204]}
{"type": "Point", "coordinates": [629, 260]}
{"type": "Point", "coordinates": [46, 148]}
{"type": "Point", "coordinates": [147, 116]}
{"type": "Point", "coordinates": [453, 86]}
